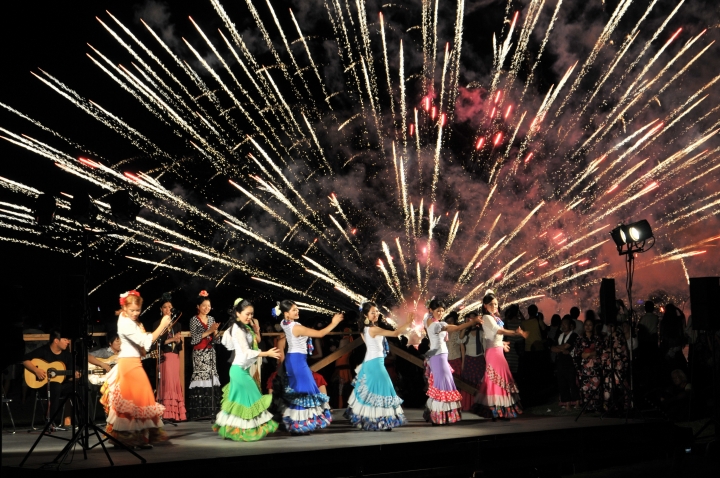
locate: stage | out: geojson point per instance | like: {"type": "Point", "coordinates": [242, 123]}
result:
{"type": "Point", "coordinates": [559, 443]}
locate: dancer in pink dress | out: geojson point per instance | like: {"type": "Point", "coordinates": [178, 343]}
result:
{"type": "Point", "coordinates": [498, 396]}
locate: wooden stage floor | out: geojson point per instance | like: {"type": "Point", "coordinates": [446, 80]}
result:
{"type": "Point", "coordinates": [194, 444]}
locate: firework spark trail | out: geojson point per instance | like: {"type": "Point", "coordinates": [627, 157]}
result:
{"type": "Point", "coordinates": [693, 212]}
{"type": "Point", "coordinates": [537, 279]}
{"type": "Point", "coordinates": [436, 170]}
{"type": "Point", "coordinates": [166, 90]}
{"type": "Point", "coordinates": [609, 28]}
{"type": "Point", "coordinates": [442, 78]}
{"type": "Point", "coordinates": [280, 174]}
{"type": "Point", "coordinates": [502, 54]}
{"type": "Point", "coordinates": [393, 271]}
{"type": "Point", "coordinates": [464, 275]}
{"type": "Point", "coordinates": [572, 243]}
{"type": "Point", "coordinates": [425, 44]}
{"type": "Point", "coordinates": [550, 27]}
{"type": "Point", "coordinates": [412, 220]}
{"type": "Point", "coordinates": [454, 226]}
{"type": "Point", "coordinates": [350, 57]}
{"type": "Point", "coordinates": [283, 199]}
{"type": "Point", "coordinates": [373, 105]}
{"type": "Point", "coordinates": [397, 173]}
{"type": "Point", "coordinates": [671, 193]}
{"type": "Point", "coordinates": [298, 70]}
{"type": "Point", "coordinates": [607, 124]}
{"type": "Point", "coordinates": [506, 267]}
{"type": "Point", "coordinates": [320, 149]}
{"type": "Point", "coordinates": [417, 152]}
{"type": "Point", "coordinates": [312, 62]}
{"type": "Point", "coordinates": [387, 67]}
{"type": "Point", "coordinates": [279, 95]}
{"type": "Point", "coordinates": [521, 300]}
{"type": "Point", "coordinates": [368, 56]}
{"type": "Point", "coordinates": [593, 165]}
{"type": "Point", "coordinates": [403, 101]}
{"type": "Point", "coordinates": [652, 186]}
{"type": "Point", "coordinates": [262, 205]}
{"type": "Point", "coordinates": [419, 278]}
{"type": "Point", "coordinates": [232, 96]}
{"type": "Point", "coordinates": [482, 211]}
{"type": "Point", "coordinates": [271, 46]}
{"type": "Point", "coordinates": [342, 231]}
{"type": "Point", "coordinates": [49, 130]}
{"type": "Point", "coordinates": [531, 18]}
{"type": "Point", "coordinates": [166, 266]}
{"type": "Point", "coordinates": [264, 241]}
{"type": "Point", "coordinates": [420, 215]}
{"type": "Point", "coordinates": [519, 227]}
{"type": "Point", "coordinates": [390, 284]}
{"type": "Point", "coordinates": [455, 69]}
{"type": "Point", "coordinates": [402, 258]}
{"type": "Point", "coordinates": [403, 185]}
{"type": "Point", "coordinates": [675, 257]}
{"type": "Point", "coordinates": [434, 43]}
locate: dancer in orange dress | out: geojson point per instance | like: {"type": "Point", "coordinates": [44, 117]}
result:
{"type": "Point", "coordinates": [133, 416]}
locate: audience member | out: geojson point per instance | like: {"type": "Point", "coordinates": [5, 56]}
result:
{"type": "Point", "coordinates": [564, 365]}
{"type": "Point", "coordinates": [588, 364]}
{"type": "Point", "coordinates": [579, 324]}
{"type": "Point", "coordinates": [534, 362]}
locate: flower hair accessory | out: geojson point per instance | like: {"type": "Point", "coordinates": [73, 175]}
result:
{"type": "Point", "coordinates": [237, 301]}
{"type": "Point", "coordinates": [125, 295]}
{"type": "Point", "coordinates": [276, 313]}
{"type": "Point", "coordinates": [489, 292]}
{"type": "Point", "coordinates": [203, 293]}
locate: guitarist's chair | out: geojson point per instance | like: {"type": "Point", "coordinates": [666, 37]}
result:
{"type": "Point", "coordinates": [6, 402]}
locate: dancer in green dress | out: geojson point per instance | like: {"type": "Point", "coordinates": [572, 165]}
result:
{"type": "Point", "coordinates": [244, 412]}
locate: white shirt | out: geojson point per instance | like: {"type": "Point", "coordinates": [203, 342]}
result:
{"type": "Point", "coordinates": [374, 345]}
{"type": "Point", "coordinates": [437, 338]}
{"type": "Point", "coordinates": [132, 338]}
{"type": "Point", "coordinates": [491, 337]}
{"type": "Point", "coordinates": [240, 341]}
{"type": "Point", "coordinates": [296, 345]}
{"type": "Point", "coordinates": [471, 345]}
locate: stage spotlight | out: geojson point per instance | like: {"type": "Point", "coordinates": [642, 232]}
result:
{"type": "Point", "coordinates": [44, 209]}
{"type": "Point", "coordinates": [639, 231]}
{"type": "Point", "coordinates": [618, 235]}
{"type": "Point", "coordinates": [123, 206]}
{"type": "Point", "coordinates": [633, 237]}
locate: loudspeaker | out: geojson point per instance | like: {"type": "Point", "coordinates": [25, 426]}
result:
{"type": "Point", "coordinates": [703, 292]}
{"type": "Point", "coordinates": [608, 308]}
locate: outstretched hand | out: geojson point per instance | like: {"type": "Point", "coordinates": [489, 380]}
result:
{"type": "Point", "coordinates": [273, 352]}
{"type": "Point", "coordinates": [337, 318]}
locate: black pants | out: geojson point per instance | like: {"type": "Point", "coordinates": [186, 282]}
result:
{"type": "Point", "coordinates": [58, 393]}
{"type": "Point", "coordinates": [566, 380]}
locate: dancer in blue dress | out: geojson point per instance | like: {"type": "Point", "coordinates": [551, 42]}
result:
{"type": "Point", "coordinates": [305, 408]}
{"type": "Point", "coordinates": [373, 404]}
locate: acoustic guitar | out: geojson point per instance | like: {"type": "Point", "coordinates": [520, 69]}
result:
{"type": "Point", "coordinates": [97, 374]}
{"type": "Point", "coordinates": [55, 371]}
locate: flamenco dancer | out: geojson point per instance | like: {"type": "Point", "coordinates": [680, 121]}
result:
{"type": "Point", "coordinates": [204, 399]}
{"type": "Point", "coordinates": [243, 414]}
{"type": "Point", "coordinates": [305, 408]}
{"type": "Point", "coordinates": [443, 405]}
{"type": "Point", "coordinates": [170, 390]}
{"type": "Point", "coordinates": [133, 416]}
{"type": "Point", "coordinates": [373, 404]}
{"type": "Point", "coordinates": [498, 396]}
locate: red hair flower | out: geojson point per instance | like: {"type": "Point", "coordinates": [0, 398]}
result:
{"type": "Point", "coordinates": [203, 293]}
{"type": "Point", "coordinates": [126, 294]}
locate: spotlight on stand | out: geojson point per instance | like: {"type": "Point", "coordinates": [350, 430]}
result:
{"type": "Point", "coordinates": [633, 238]}
{"type": "Point", "coordinates": [123, 206]}
{"type": "Point", "coordinates": [44, 209]}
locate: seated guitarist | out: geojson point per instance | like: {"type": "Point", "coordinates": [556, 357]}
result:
{"type": "Point", "coordinates": [54, 351]}
{"type": "Point", "coordinates": [105, 353]}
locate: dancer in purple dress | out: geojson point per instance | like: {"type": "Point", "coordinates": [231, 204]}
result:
{"type": "Point", "coordinates": [443, 405]}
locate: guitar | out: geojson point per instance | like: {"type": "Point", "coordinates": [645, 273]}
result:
{"type": "Point", "coordinates": [55, 371]}
{"type": "Point", "coordinates": [97, 374]}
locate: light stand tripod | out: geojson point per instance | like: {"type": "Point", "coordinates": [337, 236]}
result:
{"type": "Point", "coordinates": [82, 425]}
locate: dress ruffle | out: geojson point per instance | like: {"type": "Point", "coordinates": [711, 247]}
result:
{"type": "Point", "coordinates": [374, 405]}
{"type": "Point", "coordinates": [305, 420]}
{"type": "Point", "coordinates": [498, 396]}
{"type": "Point", "coordinates": [305, 400]}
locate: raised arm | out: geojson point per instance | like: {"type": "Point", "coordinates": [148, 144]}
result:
{"type": "Point", "coordinates": [300, 330]}
{"type": "Point", "coordinates": [469, 323]}
{"type": "Point", "coordinates": [375, 331]}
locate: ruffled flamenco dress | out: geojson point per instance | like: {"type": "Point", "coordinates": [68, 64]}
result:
{"type": "Point", "coordinates": [444, 400]}
{"type": "Point", "coordinates": [373, 404]}
{"type": "Point", "coordinates": [243, 412]}
{"type": "Point", "coordinates": [305, 408]}
{"type": "Point", "coordinates": [498, 396]}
